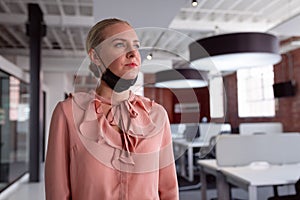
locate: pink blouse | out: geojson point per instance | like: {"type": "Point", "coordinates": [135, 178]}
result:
{"type": "Point", "coordinates": [87, 159]}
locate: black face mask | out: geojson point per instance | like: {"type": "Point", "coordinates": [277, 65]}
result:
{"type": "Point", "coordinates": [116, 83]}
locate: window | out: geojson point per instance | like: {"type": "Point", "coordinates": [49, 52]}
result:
{"type": "Point", "coordinates": [14, 129]}
{"type": "Point", "coordinates": [216, 92]}
{"type": "Point", "coordinates": [255, 92]}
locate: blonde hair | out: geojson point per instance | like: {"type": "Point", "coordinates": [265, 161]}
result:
{"type": "Point", "coordinates": [96, 36]}
{"type": "Point", "coordinates": [96, 33]}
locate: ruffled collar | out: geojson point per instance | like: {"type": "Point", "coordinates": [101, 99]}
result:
{"type": "Point", "coordinates": [131, 115]}
{"type": "Point", "coordinates": [134, 117]}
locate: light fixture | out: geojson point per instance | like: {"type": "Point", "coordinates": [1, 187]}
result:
{"type": "Point", "coordinates": [149, 56]}
{"type": "Point", "coordinates": [229, 52]}
{"type": "Point", "coordinates": [194, 3]}
{"type": "Point", "coordinates": [180, 78]}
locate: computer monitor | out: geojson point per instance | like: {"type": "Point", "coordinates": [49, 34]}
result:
{"type": "Point", "coordinates": [191, 131]}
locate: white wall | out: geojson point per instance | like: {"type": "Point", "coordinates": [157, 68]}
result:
{"type": "Point", "coordinates": [57, 84]}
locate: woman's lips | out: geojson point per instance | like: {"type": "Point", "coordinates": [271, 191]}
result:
{"type": "Point", "coordinates": [131, 65]}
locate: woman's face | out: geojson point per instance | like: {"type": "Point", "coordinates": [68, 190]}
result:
{"type": "Point", "coordinates": [119, 51]}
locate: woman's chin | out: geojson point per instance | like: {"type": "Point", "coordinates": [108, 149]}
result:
{"type": "Point", "coordinates": [131, 74]}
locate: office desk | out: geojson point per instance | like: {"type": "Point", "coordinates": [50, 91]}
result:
{"type": "Point", "coordinates": [186, 145]}
{"type": "Point", "coordinates": [246, 177]}
{"type": "Point", "coordinates": [209, 166]}
{"type": "Point", "coordinates": [251, 179]}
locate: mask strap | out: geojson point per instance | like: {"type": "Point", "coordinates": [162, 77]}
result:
{"type": "Point", "coordinates": [100, 61]}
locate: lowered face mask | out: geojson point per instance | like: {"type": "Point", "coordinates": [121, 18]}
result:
{"type": "Point", "coordinates": [117, 83]}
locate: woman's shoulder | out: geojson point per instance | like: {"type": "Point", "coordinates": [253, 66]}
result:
{"type": "Point", "coordinates": [79, 99]}
{"type": "Point", "coordinates": [152, 105]}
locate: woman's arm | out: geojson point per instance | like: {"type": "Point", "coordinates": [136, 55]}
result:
{"type": "Point", "coordinates": [57, 181]}
{"type": "Point", "coordinates": [168, 185]}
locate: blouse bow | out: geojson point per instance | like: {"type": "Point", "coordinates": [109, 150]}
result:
{"type": "Point", "coordinates": [131, 116]}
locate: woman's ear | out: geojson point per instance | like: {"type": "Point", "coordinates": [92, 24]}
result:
{"type": "Point", "coordinates": [94, 57]}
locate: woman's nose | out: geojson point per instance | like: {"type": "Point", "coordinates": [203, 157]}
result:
{"type": "Point", "coordinates": [132, 53]}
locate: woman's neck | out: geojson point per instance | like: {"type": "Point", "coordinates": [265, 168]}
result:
{"type": "Point", "coordinates": [106, 92]}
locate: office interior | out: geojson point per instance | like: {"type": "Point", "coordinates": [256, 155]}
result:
{"type": "Point", "coordinates": [234, 126]}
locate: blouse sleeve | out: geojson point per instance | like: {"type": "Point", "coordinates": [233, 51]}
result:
{"type": "Point", "coordinates": [57, 182]}
{"type": "Point", "coordinates": [168, 186]}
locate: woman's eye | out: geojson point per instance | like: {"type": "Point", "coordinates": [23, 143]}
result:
{"type": "Point", "coordinates": [137, 46]}
{"type": "Point", "coordinates": [120, 45]}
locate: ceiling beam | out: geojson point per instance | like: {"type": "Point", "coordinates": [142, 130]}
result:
{"type": "Point", "coordinates": [221, 11]}
{"type": "Point", "coordinates": [180, 41]}
{"type": "Point", "coordinates": [77, 10]}
{"type": "Point", "coordinates": [270, 4]}
{"type": "Point", "coordinates": [8, 40]}
{"type": "Point", "coordinates": [209, 26]}
{"type": "Point", "coordinates": [60, 7]}
{"type": "Point", "coordinates": [74, 65]}
{"type": "Point", "coordinates": [5, 7]}
{"type": "Point", "coordinates": [286, 11]}
{"type": "Point", "coordinates": [22, 7]}
{"type": "Point", "coordinates": [252, 4]}
{"type": "Point", "coordinates": [231, 7]}
{"type": "Point", "coordinates": [71, 39]}
{"type": "Point", "coordinates": [54, 53]}
{"type": "Point", "coordinates": [214, 7]}
{"type": "Point", "coordinates": [82, 37]}
{"type": "Point", "coordinates": [43, 7]}
{"type": "Point", "coordinates": [88, 3]}
{"type": "Point", "coordinates": [168, 41]}
{"type": "Point", "coordinates": [201, 3]}
{"type": "Point", "coordinates": [69, 21]}
{"type": "Point", "coordinates": [50, 20]}
{"type": "Point", "coordinates": [16, 36]}
{"type": "Point", "coordinates": [47, 42]}
{"type": "Point", "coordinates": [57, 38]}
{"type": "Point", "coordinates": [235, 4]}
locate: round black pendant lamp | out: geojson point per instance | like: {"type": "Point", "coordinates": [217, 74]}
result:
{"type": "Point", "coordinates": [229, 52]}
{"type": "Point", "coordinates": [180, 78]}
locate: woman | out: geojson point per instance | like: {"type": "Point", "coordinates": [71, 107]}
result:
{"type": "Point", "coordinates": [110, 143]}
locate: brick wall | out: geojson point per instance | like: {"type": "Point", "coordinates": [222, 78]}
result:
{"type": "Point", "coordinates": [168, 98]}
{"type": "Point", "coordinates": [287, 108]}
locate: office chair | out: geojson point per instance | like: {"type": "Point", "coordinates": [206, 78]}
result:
{"type": "Point", "coordinates": [287, 197]}
{"type": "Point", "coordinates": [204, 152]}
{"type": "Point", "coordinates": [208, 152]}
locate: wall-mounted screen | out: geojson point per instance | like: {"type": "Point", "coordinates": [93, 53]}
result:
{"type": "Point", "coordinates": [284, 89]}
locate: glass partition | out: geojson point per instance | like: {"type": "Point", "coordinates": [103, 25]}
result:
{"type": "Point", "coordinates": [14, 129]}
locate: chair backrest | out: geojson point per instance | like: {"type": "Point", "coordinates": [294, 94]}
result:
{"type": "Point", "coordinates": [208, 152]}
{"type": "Point", "coordinates": [191, 131]}
{"type": "Point", "coordinates": [208, 134]}
{"type": "Point", "coordinates": [239, 150]}
{"type": "Point", "coordinates": [260, 128]}
{"type": "Point", "coordinates": [177, 129]}
{"type": "Point", "coordinates": [208, 130]}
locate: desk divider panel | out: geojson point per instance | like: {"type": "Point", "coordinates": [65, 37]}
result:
{"type": "Point", "coordinates": [260, 127]}
{"type": "Point", "coordinates": [240, 150]}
